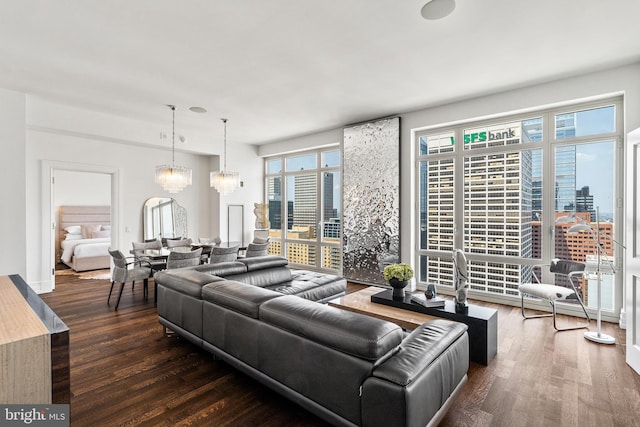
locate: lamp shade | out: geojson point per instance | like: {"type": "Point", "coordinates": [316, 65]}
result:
{"type": "Point", "coordinates": [224, 182]}
{"type": "Point", "coordinates": [173, 179]}
{"type": "Point", "coordinates": [579, 227]}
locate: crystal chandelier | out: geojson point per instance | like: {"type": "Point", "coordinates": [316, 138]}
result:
{"type": "Point", "coordinates": [171, 177]}
{"type": "Point", "coordinates": [223, 181]}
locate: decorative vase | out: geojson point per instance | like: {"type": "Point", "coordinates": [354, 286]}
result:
{"type": "Point", "coordinates": [398, 287]}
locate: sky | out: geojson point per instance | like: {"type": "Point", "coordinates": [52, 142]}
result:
{"type": "Point", "coordinates": [595, 162]}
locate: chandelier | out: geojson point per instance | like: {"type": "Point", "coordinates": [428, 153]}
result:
{"type": "Point", "coordinates": [171, 177]}
{"type": "Point", "coordinates": [223, 181]}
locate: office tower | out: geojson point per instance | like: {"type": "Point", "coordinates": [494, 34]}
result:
{"type": "Point", "coordinates": [305, 201]}
{"type": "Point", "coordinates": [274, 192]}
{"type": "Point", "coordinates": [584, 202]}
{"type": "Point", "coordinates": [565, 173]}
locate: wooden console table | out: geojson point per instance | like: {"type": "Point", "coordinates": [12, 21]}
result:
{"type": "Point", "coordinates": [34, 347]}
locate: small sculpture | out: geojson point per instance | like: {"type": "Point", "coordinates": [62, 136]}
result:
{"type": "Point", "coordinates": [460, 285]}
{"type": "Point", "coordinates": [261, 211]}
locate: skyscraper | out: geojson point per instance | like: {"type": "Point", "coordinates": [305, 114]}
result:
{"type": "Point", "coordinates": [584, 202]}
{"type": "Point", "coordinates": [305, 201]}
{"type": "Point", "coordinates": [275, 202]}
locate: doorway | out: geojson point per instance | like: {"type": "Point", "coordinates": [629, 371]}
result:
{"type": "Point", "coordinates": [49, 220]}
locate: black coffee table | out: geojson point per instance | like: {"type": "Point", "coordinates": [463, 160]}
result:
{"type": "Point", "coordinates": [482, 322]}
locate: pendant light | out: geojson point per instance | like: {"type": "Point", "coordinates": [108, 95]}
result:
{"type": "Point", "coordinates": [173, 178]}
{"type": "Point", "coordinates": [224, 181]}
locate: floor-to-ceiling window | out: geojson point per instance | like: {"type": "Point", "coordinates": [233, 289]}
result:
{"type": "Point", "coordinates": [507, 190]}
{"type": "Point", "coordinates": [304, 198]}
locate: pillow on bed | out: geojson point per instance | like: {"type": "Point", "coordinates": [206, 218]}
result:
{"type": "Point", "coordinates": [87, 229]}
{"type": "Point", "coordinates": [71, 236]}
{"type": "Point", "coordinates": [73, 229]}
{"type": "Point", "coordinates": [101, 233]}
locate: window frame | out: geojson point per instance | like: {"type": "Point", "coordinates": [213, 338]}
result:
{"type": "Point", "coordinates": [286, 240]}
{"type": "Point", "coordinates": [547, 144]}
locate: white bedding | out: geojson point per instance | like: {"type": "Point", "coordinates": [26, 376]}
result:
{"type": "Point", "coordinates": [84, 248]}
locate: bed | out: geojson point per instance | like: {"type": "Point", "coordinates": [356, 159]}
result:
{"type": "Point", "coordinates": [84, 237]}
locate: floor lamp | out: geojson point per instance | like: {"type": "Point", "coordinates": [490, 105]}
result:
{"type": "Point", "coordinates": [596, 336]}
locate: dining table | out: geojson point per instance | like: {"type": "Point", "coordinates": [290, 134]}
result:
{"type": "Point", "coordinates": [159, 254]}
{"type": "Point", "coordinates": [163, 254]}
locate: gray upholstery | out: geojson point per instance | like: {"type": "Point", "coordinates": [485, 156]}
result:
{"type": "Point", "coordinates": [269, 272]}
{"type": "Point", "coordinates": [257, 249]}
{"type": "Point", "coordinates": [155, 264]}
{"type": "Point", "coordinates": [366, 337]}
{"type": "Point", "coordinates": [179, 292]}
{"type": "Point", "coordinates": [345, 367]}
{"type": "Point", "coordinates": [124, 272]}
{"type": "Point", "coordinates": [439, 345]}
{"type": "Point", "coordinates": [222, 254]}
{"type": "Point", "coordinates": [178, 243]}
{"type": "Point", "coordinates": [183, 259]}
{"type": "Point", "coordinates": [140, 246]}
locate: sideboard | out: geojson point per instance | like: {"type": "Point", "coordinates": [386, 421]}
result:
{"type": "Point", "coordinates": [34, 347]}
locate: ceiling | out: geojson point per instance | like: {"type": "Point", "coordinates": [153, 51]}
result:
{"type": "Point", "coordinates": [283, 68]}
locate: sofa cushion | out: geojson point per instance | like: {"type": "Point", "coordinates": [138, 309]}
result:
{"type": "Point", "coordinates": [262, 262]}
{"type": "Point", "coordinates": [237, 296]}
{"type": "Point", "coordinates": [424, 345]}
{"type": "Point", "coordinates": [365, 337]}
{"type": "Point", "coordinates": [263, 278]}
{"type": "Point", "coordinates": [185, 280]}
{"type": "Point", "coordinates": [311, 285]}
{"type": "Point", "coordinates": [222, 269]}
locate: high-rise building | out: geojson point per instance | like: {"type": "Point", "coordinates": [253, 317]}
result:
{"type": "Point", "coordinates": [565, 173]}
{"type": "Point", "coordinates": [498, 217]}
{"type": "Point", "coordinates": [275, 202]}
{"type": "Point", "coordinates": [329, 211]}
{"type": "Point", "coordinates": [305, 201]}
{"type": "Point", "coordinates": [497, 208]}
{"type": "Point", "coordinates": [584, 202]}
{"type": "Point", "coordinates": [580, 247]}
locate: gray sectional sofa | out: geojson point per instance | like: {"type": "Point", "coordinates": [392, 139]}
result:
{"type": "Point", "coordinates": [347, 368]}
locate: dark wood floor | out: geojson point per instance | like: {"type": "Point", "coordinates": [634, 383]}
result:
{"type": "Point", "coordinates": [125, 372]}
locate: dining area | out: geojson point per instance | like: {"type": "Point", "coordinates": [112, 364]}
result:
{"type": "Point", "coordinates": [177, 253]}
{"type": "Point", "coordinates": [164, 247]}
{"type": "Point", "coordinates": [148, 257]}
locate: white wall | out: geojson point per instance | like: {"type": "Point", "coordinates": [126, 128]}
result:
{"type": "Point", "coordinates": [115, 143]}
{"type": "Point", "coordinates": [13, 213]}
{"type": "Point", "coordinates": [81, 189]}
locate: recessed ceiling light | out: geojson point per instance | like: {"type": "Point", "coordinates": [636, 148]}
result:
{"type": "Point", "coordinates": [437, 9]}
{"type": "Point", "coordinates": [198, 109]}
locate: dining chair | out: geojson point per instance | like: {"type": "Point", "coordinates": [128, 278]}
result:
{"type": "Point", "coordinates": [178, 260]}
{"type": "Point", "coordinates": [155, 264]}
{"type": "Point", "coordinates": [257, 249]}
{"type": "Point", "coordinates": [124, 271]}
{"type": "Point", "coordinates": [222, 254]}
{"type": "Point", "coordinates": [183, 259]}
{"type": "Point", "coordinates": [178, 243]}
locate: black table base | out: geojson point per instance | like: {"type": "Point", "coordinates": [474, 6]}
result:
{"type": "Point", "coordinates": [482, 322]}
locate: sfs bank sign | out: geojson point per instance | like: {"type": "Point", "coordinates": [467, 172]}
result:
{"type": "Point", "coordinates": [490, 136]}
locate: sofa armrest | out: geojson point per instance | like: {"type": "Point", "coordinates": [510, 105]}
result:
{"type": "Point", "coordinates": [414, 383]}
